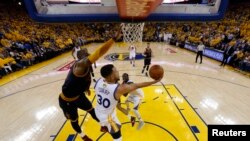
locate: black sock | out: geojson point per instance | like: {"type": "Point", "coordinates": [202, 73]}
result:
{"type": "Point", "coordinates": [76, 126]}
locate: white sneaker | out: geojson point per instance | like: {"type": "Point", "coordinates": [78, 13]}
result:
{"type": "Point", "coordinates": [141, 124]}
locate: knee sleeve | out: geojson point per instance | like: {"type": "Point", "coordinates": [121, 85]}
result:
{"type": "Point", "coordinates": [116, 135]}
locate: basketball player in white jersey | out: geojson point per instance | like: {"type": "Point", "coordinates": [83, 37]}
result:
{"type": "Point", "coordinates": [74, 52]}
{"type": "Point", "coordinates": [108, 92]}
{"type": "Point", "coordinates": [134, 97]}
{"type": "Point", "coordinates": [132, 54]}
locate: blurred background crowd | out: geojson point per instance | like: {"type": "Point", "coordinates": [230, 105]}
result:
{"type": "Point", "coordinates": [24, 42]}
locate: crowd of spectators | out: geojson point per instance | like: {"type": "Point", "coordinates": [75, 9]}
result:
{"type": "Point", "coordinates": [24, 42]}
{"type": "Point", "coordinates": [233, 31]}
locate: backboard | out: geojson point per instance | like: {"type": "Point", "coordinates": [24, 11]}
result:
{"type": "Point", "coordinates": [125, 10]}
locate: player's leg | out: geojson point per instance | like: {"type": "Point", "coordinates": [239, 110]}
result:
{"type": "Point", "coordinates": [196, 59]}
{"type": "Point", "coordinates": [137, 102]}
{"type": "Point", "coordinates": [144, 66]}
{"type": "Point", "coordinates": [132, 118]}
{"type": "Point", "coordinates": [130, 58]}
{"type": "Point", "coordinates": [111, 123]}
{"type": "Point", "coordinates": [148, 62]}
{"type": "Point", "coordinates": [70, 112]}
{"type": "Point", "coordinates": [201, 54]}
{"type": "Point", "coordinates": [84, 104]}
{"type": "Point", "coordinates": [117, 136]}
{"type": "Point", "coordinates": [115, 130]}
{"type": "Point", "coordinates": [147, 67]}
{"type": "Point", "coordinates": [77, 128]}
{"type": "Point", "coordinates": [133, 61]}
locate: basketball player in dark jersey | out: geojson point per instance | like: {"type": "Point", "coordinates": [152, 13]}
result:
{"type": "Point", "coordinates": [147, 59]}
{"type": "Point", "coordinates": [77, 84]}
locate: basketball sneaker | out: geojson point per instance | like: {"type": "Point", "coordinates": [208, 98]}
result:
{"type": "Point", "coordinates": [104, 129]}
{"type": "Point", "coordinates": [86, 138]}
{"type": "Point", "coordinates": [132, 120]}
{"type": "Point", "coordinates": [141, 124]}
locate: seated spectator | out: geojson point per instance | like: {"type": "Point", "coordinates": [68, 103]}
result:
{"type": "Point", "coordinates": [245, 64]}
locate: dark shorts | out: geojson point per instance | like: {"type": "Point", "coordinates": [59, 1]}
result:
{"type": "Point", "coordinates": [70, 108]}
{"type": "Point", "coordinates": [147, 62]}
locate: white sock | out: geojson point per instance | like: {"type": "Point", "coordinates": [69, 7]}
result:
{"type": "Point", "coordinates": [137, 114]}
{"type": "Point", "coordinates": [82, 134]}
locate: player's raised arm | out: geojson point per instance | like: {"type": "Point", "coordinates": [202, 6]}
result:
{"type": "Point", "coordinates": [104, 48]}
{"type": "Point", "coordinates": [82, 66]}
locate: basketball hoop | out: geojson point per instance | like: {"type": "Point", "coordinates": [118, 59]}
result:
{"type": "Point", "coordinates": [132, 32]}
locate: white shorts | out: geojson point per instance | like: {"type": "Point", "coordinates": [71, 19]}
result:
{"type": "Point", "coordinates": [109, 120]}
{"type": "Point", "coordinates": [136, 100]}
{"type": "Point", "coordinates": [131, 55]}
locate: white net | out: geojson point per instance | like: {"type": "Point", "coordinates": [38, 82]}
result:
{"type": "Point", "coordinates": [132, 32]}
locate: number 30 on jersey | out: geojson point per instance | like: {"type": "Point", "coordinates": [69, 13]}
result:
{"type": "Point", "coordinates": [103, 101]}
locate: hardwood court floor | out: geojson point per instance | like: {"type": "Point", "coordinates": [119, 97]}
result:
{"type": "Point", "coordinates": [155, 110]}
{"type": "Point", "coordinates": [29, 98]}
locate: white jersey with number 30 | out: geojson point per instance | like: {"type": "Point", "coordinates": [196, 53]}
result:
{"type": "Point", "coordinates": [105, 96]}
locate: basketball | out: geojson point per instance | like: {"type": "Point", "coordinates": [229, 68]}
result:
{"type": "Point", "coordinates": [156, 72]}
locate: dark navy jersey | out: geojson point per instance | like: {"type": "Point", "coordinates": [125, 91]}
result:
{"type": "Point", "coordinates": [74, 86]}
{"type": "Point", "coordinates": [148, 54]}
